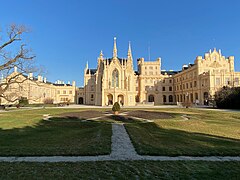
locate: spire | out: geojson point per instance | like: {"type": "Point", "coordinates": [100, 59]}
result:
{"type": "Point", "coordinates": [129, 51]}
{"type": "Point", "coordinates": [101, 55]}
{"type": "Point", "coordinates": [87, 65]}
{"type": "Point", "coordinates": [115, 48]}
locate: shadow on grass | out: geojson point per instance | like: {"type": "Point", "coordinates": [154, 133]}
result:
{"type": "Point", "coordinates": [57, 136]}
{"type": "Point", "coordinates": [150, 139]}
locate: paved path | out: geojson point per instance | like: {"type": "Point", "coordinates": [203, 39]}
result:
{"type": "Point", "coordinates": [122, 149]}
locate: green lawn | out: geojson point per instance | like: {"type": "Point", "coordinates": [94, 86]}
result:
{"type": "Point", "coordinates": [122, 170]}
{"type": "Point", "coordinates": [205, 133]}
{"type": "Point", "coordinates": [24, 133]}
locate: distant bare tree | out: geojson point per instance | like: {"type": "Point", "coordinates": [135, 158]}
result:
{"type": "Point", "coordinates": [16, 60]}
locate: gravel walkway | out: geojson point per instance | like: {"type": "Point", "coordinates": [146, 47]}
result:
{"type": "Point", "coordinates": [122, 149]}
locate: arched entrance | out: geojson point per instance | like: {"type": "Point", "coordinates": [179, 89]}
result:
{"type": "Point", "coordinates": [151, 98]}
{"type": "Point", "coordinates": [121, 99]}
{"type": "Point", "coordinates": [110, 99]}
{"type": "Point", "coordinates": [80, 100]}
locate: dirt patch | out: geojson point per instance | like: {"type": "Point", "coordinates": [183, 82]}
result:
{"type": "Point", "coordinates": [151, 115]}
{"type": "Point", "coordinates": [83, 114]}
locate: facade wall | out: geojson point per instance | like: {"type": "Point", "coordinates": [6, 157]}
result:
{"type": "Point", "coordinates": [37, 90]}
{"type": "Point", "coordinates": [195, 83]}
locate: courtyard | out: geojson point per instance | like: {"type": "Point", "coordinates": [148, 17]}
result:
{"type": "Point", "coordinates": [144, 143]}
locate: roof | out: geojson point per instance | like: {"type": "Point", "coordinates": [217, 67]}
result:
{"type": "Point", "coordinates": [121, 60]}
{"type": "Point", "coordinates": [62, 84]}
{"type": "Point", "coordinates": [137, 73]}
{"type": "Point", "coordinates": [91, 71]}
{"type": "Point", "coordinates": [169, 72]}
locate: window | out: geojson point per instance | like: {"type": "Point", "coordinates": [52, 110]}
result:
{"type": "Point", "coordinates": [195, 83]}
{"type": "Point", "coordinates": [190, 84]}
{"type": "Point", "coordinates": [115, 78]}
{"type": "Point", "coordinates": [236, 81]}
{"type": "Point", "coordinates": [170, 88]}
{"type": "Point", "coordinates": [187, 85]}
{"type": "Point", "coordinates": [170, 98]}
{"type": "Point", "coordinates": [218, 81]}
{"type": "Point", "coordinates": [227, 81]}
{"type": "Point", "coordinates": [70, 92]}
{"type": "Point", "coordinates": [163, 88]}
{"type": "Point", "coordinates": [64, 92]}
{"type": "Point", "coordinates": [92, 96]}
{"type": "Point", "coordinates": [151, 67]}
{"type": "Point", "coordinates": [150, 98]}
{"type": "Point", "coordinates": [170, 81]}
{"type": "Point", "coordinates": [92, 88]}
{"type": "Point", "coordinates": [196, 96]}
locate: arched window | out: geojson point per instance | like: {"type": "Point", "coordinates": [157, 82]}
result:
{"type": "Point", "coordinates": [115, 78]}
{"type": "Point", "coordinates": [150, 98]}
{"type": "Point", "coordinates": [164, 98]}
{"type": "Point", "coordinates": [170, 98]}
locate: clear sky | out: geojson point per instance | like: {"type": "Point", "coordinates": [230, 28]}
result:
{"type": "Point", "coordinates": [65, 34]}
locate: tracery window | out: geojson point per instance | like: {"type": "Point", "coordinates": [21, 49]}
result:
{"type": "Point", "coordinates": [115, 78]}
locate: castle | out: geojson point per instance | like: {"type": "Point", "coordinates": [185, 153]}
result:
{"type": "Point", "coordinates": [114, 80]}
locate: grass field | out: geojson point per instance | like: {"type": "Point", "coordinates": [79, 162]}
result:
{"type": "Point", "coordinates": [122, 170]}
{"type": "Point", "coordinates": [204, 133]}
{"type": "Point", "coordinates": [24, 133]}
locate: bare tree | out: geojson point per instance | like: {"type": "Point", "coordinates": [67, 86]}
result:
{"type": "Point", "coordinates": [16, 60]}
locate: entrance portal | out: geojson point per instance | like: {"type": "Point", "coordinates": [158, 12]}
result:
{"type": "Point", "coordinates": [110, 99]}
{"type": "Point", "coordinates": [80, 100]}
{"type": "Point", "coordinates": [121, 99]}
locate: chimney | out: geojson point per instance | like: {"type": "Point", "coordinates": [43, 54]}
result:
{"type": "Point", "coordinates": [30, 76]}
{"type": "Point", "coordinates": [73, 83]}
{"type": "Point", "coordinates": [15, 69]}
{"type": "Point", "coordinates": [40, 78]}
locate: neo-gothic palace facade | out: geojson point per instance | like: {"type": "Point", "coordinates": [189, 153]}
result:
{"type": "Point", "coordinates": [115, 80]}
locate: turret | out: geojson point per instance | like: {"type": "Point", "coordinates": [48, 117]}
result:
{"type": "Point", "coordinates": [100, 58]}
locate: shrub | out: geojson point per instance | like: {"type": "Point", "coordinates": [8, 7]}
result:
{"type": "Point", "coordinates": [116, 107]}
{"type": "Point", "coordinates": [23, 101]}
{"type": "Point", "coordinates": [48, 101]}
{"type": "Point", "coordinates": [228, 98]}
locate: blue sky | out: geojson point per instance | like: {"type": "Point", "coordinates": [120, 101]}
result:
{"type": "Point", "coordinates": [65, 34]}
